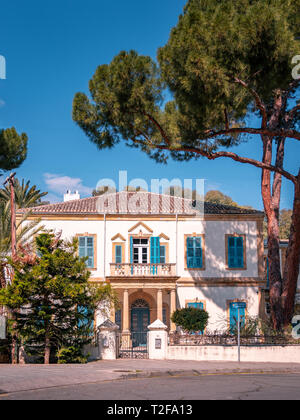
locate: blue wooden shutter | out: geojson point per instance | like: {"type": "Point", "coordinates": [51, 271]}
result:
{"type": "Point", "coordinates": [197, 305]}
{"type": "Point", "coordinates": [155, 250]}
{"type": "Point", "coordinates": [118, 254]}
{"type": "Point", "coordinates": [131, 249]}
{"type": "Point", "coordinates": [233, 317]}
{"type": "Point", "coordinates": [190, 252]}
{"type": "Point", "coordinates": [231, 251]}
{"type": "Point", "coordinates": [90, 251]}
{"type": "Point", "coordinates": [239, 251]}
{"type": "Point", "coordinates": [235, 252]}
{"type": "Point", "coordinates": [86, 249]}
{"type": "Point", "coordinates": [194, 252]}
{"type": "Point", "coordinates": [154, 253]}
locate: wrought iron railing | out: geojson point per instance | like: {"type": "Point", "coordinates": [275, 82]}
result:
{"type": "Point", "coordinates": [177, 339]}
{"type": "Point", "coordinates": [142, 270]}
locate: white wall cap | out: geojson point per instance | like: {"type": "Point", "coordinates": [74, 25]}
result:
{"type": "Point", "coordinates": [157, 325]}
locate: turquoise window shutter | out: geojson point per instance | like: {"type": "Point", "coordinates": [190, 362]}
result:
{"type": "Point", "coordinates": [131, 253]}
{"type": "Point", "coordinates": [240, 252]}
{"type": "Point", "coordinates": [154, 253]}
{"type": "Point", "coordinates": [131, 250]}
{"type": "Point", "coordinates": [194, 252]}
{"type": "Point", "coordinates": [86, 249]}
{"type": "Point", "coordinates": [155, 249]}
{"type": "Point", "coordinates": [235, 252]}
{"type": "Point", "coordinates": [118, 254]}
{"type": "Point", "coordinates": [197, 305]}
{"type": "Point", "coordinates": [233, 317]}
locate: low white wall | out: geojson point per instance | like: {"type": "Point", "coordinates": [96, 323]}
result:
{"type": "Point", "coordinates": [282, 354]}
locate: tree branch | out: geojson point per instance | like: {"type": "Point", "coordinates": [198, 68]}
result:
{"type": "Point", "coordinates": [259, 103]}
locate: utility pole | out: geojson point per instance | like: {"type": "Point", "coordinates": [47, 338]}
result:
{"type": "Point", "coordinates": [10, 180]}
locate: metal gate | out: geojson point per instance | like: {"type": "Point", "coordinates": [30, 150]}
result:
{"type": "Point", "coordinates": [133, 345]}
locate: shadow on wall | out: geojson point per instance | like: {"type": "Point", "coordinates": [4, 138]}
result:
{"type": "Point", "coordinates": [215, 262]}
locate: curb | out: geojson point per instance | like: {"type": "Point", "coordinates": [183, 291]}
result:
{"type": "Point", "coordinates": [194, 372]}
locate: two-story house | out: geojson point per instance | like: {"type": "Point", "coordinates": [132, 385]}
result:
{"type": "Point", "coordinates": [161, 253]}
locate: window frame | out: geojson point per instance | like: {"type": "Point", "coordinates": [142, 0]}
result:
{"type": "Point", "coordinates": [94, 236]}
{"type": "Point", "coordinates": [122, 245]}
{"type": "Point", "coordinates": [236, 235]}
{"type": "Point", "coordinates": [194, 235]}
{"type": "Point", "coordinates": [228, 303]}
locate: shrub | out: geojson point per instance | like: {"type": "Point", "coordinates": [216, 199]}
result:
{"type": "Point", "coordinates": [71, 355]}
{"type": "Point", "coordinates": [190, 319]}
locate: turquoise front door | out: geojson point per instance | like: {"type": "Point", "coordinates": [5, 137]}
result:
{"type": "Point", "coordinates": [140, 319]}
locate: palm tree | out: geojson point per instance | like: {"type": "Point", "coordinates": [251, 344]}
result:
{"type": "Point", "coordinates": [25, 196]}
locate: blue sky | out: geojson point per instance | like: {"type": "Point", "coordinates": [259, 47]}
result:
{"type": "Point", "coordinates": [52, 50]}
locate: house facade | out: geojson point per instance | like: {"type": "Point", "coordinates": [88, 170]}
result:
{"type": "Point", "coordinates": [161, 253]}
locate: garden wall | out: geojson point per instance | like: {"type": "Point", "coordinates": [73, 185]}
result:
{"type": "Point", "coordinates": [261, 353]}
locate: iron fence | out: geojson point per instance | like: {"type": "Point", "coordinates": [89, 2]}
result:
{"type": "Point", "coordinates": [177, 339]}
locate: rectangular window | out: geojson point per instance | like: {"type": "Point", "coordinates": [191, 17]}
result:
{"type": "Point", "coordinates": [118, 254]}
{"type": "Point", "coordinates": [86, 249]}
{"type": "Point", "coordinates": [235, 252]}
{"type": "Point", "coordinates": [197, 305]}
{"type": "Point", "coordinates": [233, 317]}
{"type": "Point", "coordinates": [194, 254]}
{"type": "Point", "coordinates": [162, 258]}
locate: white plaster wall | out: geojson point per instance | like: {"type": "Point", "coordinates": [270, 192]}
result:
{"type": "Point", "coordinates": [214, 242]}
{"type": "Point", "coordinates": [216, 301]}
{"type": "Point", "coordinates": [272, 354]}
{"type": "Point", "coordinates": [215, 262]}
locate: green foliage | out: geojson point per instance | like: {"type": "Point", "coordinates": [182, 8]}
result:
{"type": "Point", "coordinates": [213, 43]}
{"type": "Point", "coordinates": [285, 220]}
{"type": "Point", "coordinates": [13, 148]}
{"type": "Point", "coordinates": [217, 197]}
{"type": "Point", "coordinates": [71, 355]}
{"type": "Point", "coordinates": [25, 196]}
{"type": "Point", "coordinates": [52, 298]}
{"type": "Point", "coordinates": [190, 319]}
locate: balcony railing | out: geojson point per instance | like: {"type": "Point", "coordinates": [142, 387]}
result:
{"type": "Point", "coordinates": [142, 270]}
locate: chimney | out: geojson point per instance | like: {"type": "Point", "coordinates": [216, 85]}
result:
{"type": "Point", "coordinates": [69, 196]}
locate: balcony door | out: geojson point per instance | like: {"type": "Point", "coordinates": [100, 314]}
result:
{"type": "Point", "coordinates": [140, 250]}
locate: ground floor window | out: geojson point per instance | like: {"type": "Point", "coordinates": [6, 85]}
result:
{"type": "Point", "coordinates": [233, 317]}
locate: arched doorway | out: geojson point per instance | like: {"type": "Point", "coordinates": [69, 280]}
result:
{"type": "Point", "coordinates": [140, 319]}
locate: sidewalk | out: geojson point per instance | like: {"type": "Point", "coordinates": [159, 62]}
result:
{"type": "Point", "coordinates": [14, 378]}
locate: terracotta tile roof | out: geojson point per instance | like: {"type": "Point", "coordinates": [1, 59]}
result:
{"type": "Point", "coordinates": [135, 203]}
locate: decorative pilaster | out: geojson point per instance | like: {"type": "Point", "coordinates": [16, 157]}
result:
{"type": "Point", "coordinates": [172, 308]}
{"type": "Point", "coordinates": [159, 305]}
{"type": "Point", "coordinates": [125, 311]}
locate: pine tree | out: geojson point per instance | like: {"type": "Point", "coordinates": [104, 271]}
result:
{"type": "Point", "coordinates": [52, 299]}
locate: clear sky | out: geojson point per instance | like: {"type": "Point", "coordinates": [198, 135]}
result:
{"type": "Point", "coordinates": [52, 50]}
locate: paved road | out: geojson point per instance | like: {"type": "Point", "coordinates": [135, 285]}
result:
{"type": "Point", "coordinates": [191, 387]}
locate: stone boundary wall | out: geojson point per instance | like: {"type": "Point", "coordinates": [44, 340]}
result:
{"type": "Point", "coordinates": [272, 354]}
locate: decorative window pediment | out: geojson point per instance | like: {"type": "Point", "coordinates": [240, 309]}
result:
{"type": "Point", "coordinates": [140, 224]}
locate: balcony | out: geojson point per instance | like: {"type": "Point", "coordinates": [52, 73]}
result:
{"type": "Point", "coordinates": [142, 270]}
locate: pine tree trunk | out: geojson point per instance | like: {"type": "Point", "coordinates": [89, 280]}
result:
{"type": "Point", "coordinates": [271, 205]}
{"type": "Point", "coordinates": [291, 268]}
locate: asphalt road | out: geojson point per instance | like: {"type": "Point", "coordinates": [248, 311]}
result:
{"type": "Point", "coordinates": [203, 387]}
